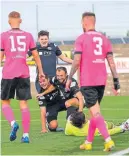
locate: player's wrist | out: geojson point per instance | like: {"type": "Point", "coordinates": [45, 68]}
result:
{"type": "Point", "coordinates": [116, 83]}
{"type": "Point", "coordinates": [115, 79]}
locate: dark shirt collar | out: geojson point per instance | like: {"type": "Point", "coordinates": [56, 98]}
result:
{"type": "Point", "coordinates": [91, 30]}
{"type": "Point", "coordinates": [15, 29]}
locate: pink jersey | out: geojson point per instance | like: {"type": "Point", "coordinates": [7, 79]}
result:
{"type": "Point", "coordinates": [93, 46]}
{"type": "Point", "coordinates": [15, 43]}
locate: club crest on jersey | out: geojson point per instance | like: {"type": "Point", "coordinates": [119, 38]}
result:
{"type": "Point", "coordinates": [49, 48]}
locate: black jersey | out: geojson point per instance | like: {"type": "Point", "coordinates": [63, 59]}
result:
{"type": "Point", "coordinates": [74, 88]}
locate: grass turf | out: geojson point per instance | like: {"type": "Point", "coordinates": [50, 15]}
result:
{"type": "Point", "coordinates": [114, 109]}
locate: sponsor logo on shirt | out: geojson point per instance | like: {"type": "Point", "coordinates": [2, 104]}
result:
{"type": "Point", "coordinates": [47, 53]}
{"type": "Point", "coordinates": [99, 61]}
{"type": "Point", "coordinates": [40, 53]}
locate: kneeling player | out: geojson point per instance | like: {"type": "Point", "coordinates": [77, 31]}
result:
{"type": "Point", "coordinates": [77, 125]}
{"type": "Point", "coordinates": [53, 102]}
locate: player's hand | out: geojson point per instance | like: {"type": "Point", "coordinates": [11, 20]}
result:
{"type": "Point", "coordinates": [116, 92]}
{"type": "Point", "coordinates": [67, 86]}
{"type": "Point", "coordinates": [39, 95]}
{"type": "Point", "coordinates": [80, 110]}
{"type": "Point", "coordinates": [116, 89]}
{"type": "Point", "coordinates": [44, 131]}
{"type": "Point", "coordinates": [41, 76]}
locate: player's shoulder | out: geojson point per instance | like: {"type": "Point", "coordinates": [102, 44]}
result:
{"type": "Point", "coordinates": [80, 37]}
{"type": "Point", "coordinates": [53, 79]}
{"type": "Point", "coordinates": [52, 44]}
{"type": "Point", "coordinates": [26, 33]}
{"type": "Point", "coordinates": [4, 33]}
{"type": "Point", "coordinates": [97, 34]}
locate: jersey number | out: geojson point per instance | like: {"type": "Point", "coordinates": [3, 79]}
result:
{"type": "Point", "coordinates": [98, 41]}
{"type": "Point", "coordinates": [22, 44]}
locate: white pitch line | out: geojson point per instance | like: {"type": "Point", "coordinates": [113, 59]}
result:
{"type": "Point", "coordinates": [118, 119]}
{"type": "Point", "coordinates": [126, 151]}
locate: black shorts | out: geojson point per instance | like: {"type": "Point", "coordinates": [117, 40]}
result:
{"type": "Point", "coordinates": [53, 110]}
{"type": "Point", "coordinates": [92, 94]}
{"type": "Point", "coordinates": [20, 85]}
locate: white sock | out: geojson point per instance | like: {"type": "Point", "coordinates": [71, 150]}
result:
{"type": "Point", "coordinates": [25, 135]}
{"type": "Point", "coordinates": [122, 127]}
{"type": "Point", "coordinates": [12, 123]}
{"type": "Point", "coordinates": [108, 139]}
{"type": "Point", "coordinates": [87, 142]}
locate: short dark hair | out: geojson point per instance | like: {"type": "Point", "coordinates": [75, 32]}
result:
{"type": "Point", "coordinates": [61, 68]}
{"type": "Point", "coordinates": [78, 119]}
{"type": "Point", "coordinates": [43, 33]}
{"type": "Point", "coordinates": [45, 76]}
{"type": "Point", "coordinates": [88, 14]}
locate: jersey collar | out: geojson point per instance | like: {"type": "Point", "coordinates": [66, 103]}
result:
{"type": "Point", "coordinates": [15, 29]}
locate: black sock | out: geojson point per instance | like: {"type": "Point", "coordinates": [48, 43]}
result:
{"type": "Point", "coordinates": [71, 110]}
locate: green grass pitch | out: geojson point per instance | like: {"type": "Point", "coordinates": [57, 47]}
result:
{"type": "Point", "coordinates": [114, 109]}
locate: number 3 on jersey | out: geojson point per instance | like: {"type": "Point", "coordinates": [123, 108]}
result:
{"type": "Point", "coordinates": [21, 44]}
{"type": "Point", "coordinates": [99, 42]}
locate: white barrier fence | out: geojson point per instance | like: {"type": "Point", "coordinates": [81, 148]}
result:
{"type": "Point", "coordinates": [122, 65]}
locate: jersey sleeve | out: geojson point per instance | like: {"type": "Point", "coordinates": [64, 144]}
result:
{"type": "Point", "coordinates": [78, 49]}
{"type": "Point", "coordinates": [32, 45]}
{"type": "Point", "coordinates": [42, 102]}
{"type": "Point", "coordinates": [1, 42]}
{"type": "Point", "coordinates": [53, 81]}
{"type": "Point", "coordinates": [58, 51]}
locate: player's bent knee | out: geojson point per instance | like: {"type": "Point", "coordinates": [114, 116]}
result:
{"type": "Point", "coordinates": [53, 125]}
{"type": "Point", "coordinates": [67, 104]}
{"type": "Point", "coordinates": [23, 104]}
{"type": "Point", "coordinates": [52, 129]}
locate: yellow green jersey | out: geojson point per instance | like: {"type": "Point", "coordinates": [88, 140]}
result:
{"type": "Point", "coordinates": [75, 131]}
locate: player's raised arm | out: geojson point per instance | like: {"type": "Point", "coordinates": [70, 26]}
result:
{"type": "Point", "coordinates": [65, 59]}
{"type": "Point", "coordinates": [112, 66]}
{"type": "Point", "coordinates": [48, 90]}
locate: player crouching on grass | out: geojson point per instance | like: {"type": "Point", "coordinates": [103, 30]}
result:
{"type": "Point", "coordinates": [54, 99]}
{"type": "Point", "coordinates": [77, 125]}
